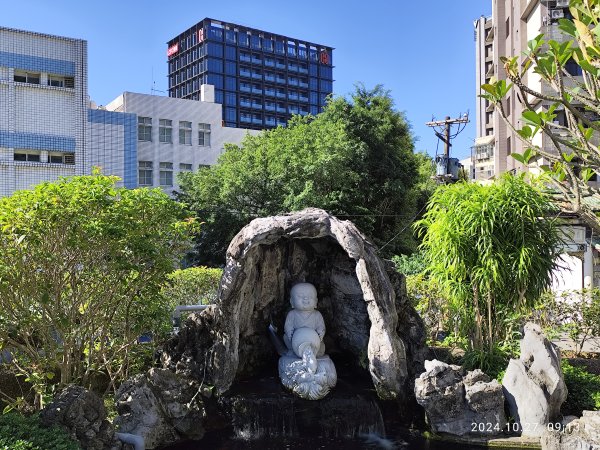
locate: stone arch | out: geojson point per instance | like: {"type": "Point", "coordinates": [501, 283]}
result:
{"type": "Point", "coordinates": [357, 299]}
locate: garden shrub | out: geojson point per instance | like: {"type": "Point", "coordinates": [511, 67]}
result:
{"type": "Point", "coordinates": [19, 432]}
{"type": "Point", "coordinates": [193, 286]}
{"type": "Point", "coordinates": [584, 390]}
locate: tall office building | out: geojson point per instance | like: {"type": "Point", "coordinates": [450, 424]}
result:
{"type": "Point", "coordinates": [260, 78]}
{"type": "Point", "coordinates": [506, 33]}
{"type": "Point", "coordinates": [43, 108]}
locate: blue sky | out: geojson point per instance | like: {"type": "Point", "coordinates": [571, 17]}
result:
{"type": "Point", "coordinates": [422, 51]}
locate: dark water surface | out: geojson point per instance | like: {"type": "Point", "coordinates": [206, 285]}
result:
{"type": "Point", "coordinates": [262, 415]}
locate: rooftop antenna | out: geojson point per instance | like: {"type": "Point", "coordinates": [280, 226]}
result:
{"type": "Point", "coordinates": [153, 87]}
{"type": "Point", "coordinates": [446, 167]}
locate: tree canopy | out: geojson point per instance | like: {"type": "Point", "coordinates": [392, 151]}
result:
{"type": "Point", "coordinates": [569, 67]}
{"type": "Point", "coordinates": [492, 248]}
{"type": "Point", "coordinates": [355, 160]}
{"type": "Point", "coordinates": [81, 267]}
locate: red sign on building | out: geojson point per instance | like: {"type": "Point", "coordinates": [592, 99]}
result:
{"type": "Point", "coordinates": [324, 57]}
{"type": "Point", "coordinates": [173, 49]}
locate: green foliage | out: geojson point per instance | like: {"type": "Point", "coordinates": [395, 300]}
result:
{"type": "Point", "coordinates": [492, 249]}
{"type": "Point", "coordinates": [354, 160]}
{"type": "Point", "coordinates": [193, 286]}
{"type": "Point", "coordinates": [584, 390]}
{"type": "Point", "coordinates": [570, 144]}
{"type": "Point", "coordinates": [18, 432]}
{"type": "Point", "coordinates": [81, 267]}
{"type": "Point", "coordinates": [492, 361]}
{"type": "Point", "coordinates": [410, 264]}
{"type": "Point", "coordinates": [430, 302]}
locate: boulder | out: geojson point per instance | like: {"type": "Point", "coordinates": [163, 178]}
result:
{"type": "Point", "coordinates": [83, 415]}
{"type": "Point", "coordinates": [534, 385]}
{"type": "Point", "coordinates": [160, 406]}
{"type": "Point", "coordinates": [460, 403]}
{"type": "Point", "coordinates": [578, 434]}
{"type": "Point", "coordinates": [368, 316]}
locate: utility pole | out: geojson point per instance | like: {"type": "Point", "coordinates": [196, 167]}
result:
{"type": "Point", "coordinates": [441, 129]}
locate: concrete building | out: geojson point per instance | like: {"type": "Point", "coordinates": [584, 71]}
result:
{"type": "Point", "coordinates": [506, 33]}
{"type": "Point", "coordinates": [260, 78]}
{"type": "Point", "coordinates": [173, 135]}
{"type": "Point", "coordinates": [43, 108]}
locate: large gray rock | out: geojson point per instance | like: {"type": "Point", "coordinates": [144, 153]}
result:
{"type": "Point", "coordinates": [579, 434]}
{"type": "Point", "coordinates": [459, 403]}
{"type": "Point", "coordinates": [368, 316]}
{"type": "Point", "coordinates": [160, 406]}
{"type": "Point", "coordinates": [534, 385]}
{"type": "Point", "coordinates": [83, 415]}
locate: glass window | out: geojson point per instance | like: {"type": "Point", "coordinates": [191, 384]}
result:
{"type": "Point", "coordinates": [291, 50]}
{"type": "Point", "coordinates": [215, 65]}
{"type": "Point", "coordinates": [255, 42]}
{"type": "Point", "coordinates": [218, 96]}
{"type": "Point", "coordinates": [215, 33]}
{"type": "Point", "coordinates": [230, 83]}
{"type": "Point", "coordinates": [144, 128]}
{"type": "Point", "coordinates": [326, 72]}
{"type": "Point", "coordinates": [230, 68]}
{"type": "Point", "coordinates": [230, 52]}
{"type": "Point", "coordinates": [267, 45]}
{"type": "Point", "coordinates": [314, 83]}
{"type": "Point", "coordinates": [184, 167]}
{"type": "Point", "coordinates": [27, 77]}
{"type": "Point", "coordinates": [23, 155]}
{"type": "Point", "coordinates": [326, 86]}
{"type": "Point", "coordinates": [230, 36]}
{"type": "Point", "coordinates": [279, 47]}
{"type": "Point", "coordinates": [215, 49]}
{"type": "Point", "coordinates": [165, 131]}
{"type": "Point", "coordinates": [145, 173]}
{"type": "Point", "coordinates": [59, 81]}
{"type": "Point", "coordinates": [230, 114]}
{"type": "Point", "coordinates": [204, 134]}
{"type": "Point", "coordinates": [185, 133]}
{"type": "Point", "coordinates": [166, 173]}
{"type": "Point", "coordinates": [242, 39]}
{"type": "Point", "coordinates": [314, 98]}
{"type": "Point", "coordinates": [215, 80]}
{"type": "Point", "coordinates": [230, 99]}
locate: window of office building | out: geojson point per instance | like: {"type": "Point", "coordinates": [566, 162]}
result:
{"type": "Point", "coordinates": [166, 173]}
{"type": "Point", "coordinates": [145, 173]}
{"type": "Point", "coordinates": [144, 128]}
{"type": "Point", "coordinates": [59, 81]}
{"type": "Point", "coordinates": [61, 158]}
{"type": "Point", "coordinates": [184, 167]}
{"type": "Point", "coordinates": [165, 131]}
{"type": "Point", "coordinates": [27, 77]}
{"type": "Point", "coordinates": [204, 134]}
{"type": "Point", "coordinates": [27, 155]}
{"type": "Point", "coordinates": [185, 133]}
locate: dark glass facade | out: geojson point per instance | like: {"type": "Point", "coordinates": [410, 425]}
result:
{"type": "Point", "coordinates": [260, 78]}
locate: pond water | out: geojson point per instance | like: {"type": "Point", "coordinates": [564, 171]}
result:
{"type": "Point", "coordinates": [264, 416]}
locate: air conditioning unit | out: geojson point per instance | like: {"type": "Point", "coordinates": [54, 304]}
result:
{"type": "Point", "coordinates": [562, 3]}
{"type": "Point", "coordinates": [557, 14]}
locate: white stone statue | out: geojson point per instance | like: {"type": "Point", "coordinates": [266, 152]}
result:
{"type": "Point", "coordinates": [305, 369]}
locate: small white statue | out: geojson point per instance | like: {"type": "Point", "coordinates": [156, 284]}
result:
{"type": "Point", "coordinates": [305, 369]}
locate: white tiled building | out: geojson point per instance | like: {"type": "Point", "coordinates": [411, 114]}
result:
{"type": "Point", "coordinates": [176, 135]}
{"type": "Point", "coordinates": [43, 108]}
{"type": "Point", "coordinates": [48, 130]}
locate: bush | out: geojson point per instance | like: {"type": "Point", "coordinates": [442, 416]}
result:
{"type": "Point", "coordinates": [410, 265]}
{"type": "Point", "coordinates": [584, 390]}
{"type": "Point", "coordinates": [18, 432]}
{"type": "Point", "coordinates": [82, 263]}
{"type": "Point", "coordinates": [491, 362]}
{"type": "Point", "coordinates": [193, 286]}
{"type": "Point", "coordinates": [430, 302]}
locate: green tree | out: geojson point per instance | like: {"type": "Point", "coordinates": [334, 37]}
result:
{"type": "Point", "coordinates": [492, 248]}
{"type": "Point", "coordinates": [192, 286]}
{"type": "Point", "coordinates": [81, 267]}
{"type": "Point", "coordinates": [355, 160]}
{"type": "Point", "coordinates": [574, 155]}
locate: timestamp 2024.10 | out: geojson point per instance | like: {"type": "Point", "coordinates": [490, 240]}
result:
{"type": "Point", "coordinates": [490, 427]}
